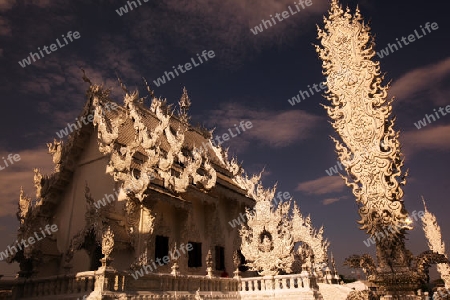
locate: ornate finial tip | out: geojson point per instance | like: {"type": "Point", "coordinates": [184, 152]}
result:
{"type": "Point", "coordinates": [424, 204]}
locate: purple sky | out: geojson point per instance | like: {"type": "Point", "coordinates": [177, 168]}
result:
{"type": "Point", "coordinates": [251, 77]}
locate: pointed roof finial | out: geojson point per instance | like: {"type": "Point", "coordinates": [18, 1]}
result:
{"type": "Point", "coordinates": [122, 85]}
{"type": "Point", "coordinates": [85, 79]}
{"type": "Point", "coordinates": [424, 204]}
{"type": "Point", "coordinates": [184, 105]}
{"type": "Point", "coordinates": [149, 90]}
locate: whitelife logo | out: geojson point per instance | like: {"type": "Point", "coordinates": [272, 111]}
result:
{"type": "Point", "coordinates": [188, 66]}
{"type": "Point", "coordinates": [53, 47]}
{"type": "Point", "coordinates": [285, 14]}
{"type": "Point", "coordinates": [281, 197]}
{"type": "Point", "coordinates": [423, 122]}
{"type": "Point", "coordinates": [89, 118]}
{"type": "Point", "coordinates": [16, 158]}
{"type": "Point", "coordinates": [411, 38]}
{"type": "Point", "coordinates": [216, 142]}
{"type": "Point", "coordinates": [124, 9]}
{"type": "Point", "coordinates": [392, 229]}
{"type": "Point", "coordinates": [23, 243]}
{"type": "Point", "coordinates": [165, 260]}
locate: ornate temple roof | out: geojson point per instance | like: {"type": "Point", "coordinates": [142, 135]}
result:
{"type": "Point", "coordinates": [181, 155]}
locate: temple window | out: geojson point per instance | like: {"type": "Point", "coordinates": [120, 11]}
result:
{"type": "Point", "coordinates": [220, 258]}
{"type": "Point", "coordinates": [161, 247]}
{"type": "Point", "coordinates": [195, 255]}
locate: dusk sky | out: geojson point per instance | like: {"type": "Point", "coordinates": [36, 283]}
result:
{"type": "Point", "coordinates": [249, 77]}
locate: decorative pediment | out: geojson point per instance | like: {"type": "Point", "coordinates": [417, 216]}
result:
{"type": "Point", "coordinates": [269, 235]}
{"type": "Point", "coordinates": [159, 144]}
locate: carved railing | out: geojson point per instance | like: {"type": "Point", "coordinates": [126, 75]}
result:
{"type": "Point", "coordinates": [6, 289]}
{"type": "Point", "coordinates": [110, 282]}
{"type": "Point", "coordinates": [187, 283]}
{"type": "Point", "coordinates": [75, 284]}
{"type": "Point", "coordinates": [5, 295]}
{"type": "Point", "coordinates": [279, 282]}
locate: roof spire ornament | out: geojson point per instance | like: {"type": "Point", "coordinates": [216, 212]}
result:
{"type": "Point", "coordinates": [122, 85]}
{"type": "Point", "coordinates": [149, 90]}
{"type": "Point", "coordinates": [85, 78]}
{"type": "Point", "coordinates": [184, 105]}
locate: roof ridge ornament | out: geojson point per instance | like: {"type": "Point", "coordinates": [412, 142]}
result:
{"type": "Point", "coordinates": [184, 104]}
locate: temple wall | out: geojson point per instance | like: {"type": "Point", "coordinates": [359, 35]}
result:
{"type": "Point", "coordinates": [207, 224]}
{"type": "Point", "coordinates": [70, 214]}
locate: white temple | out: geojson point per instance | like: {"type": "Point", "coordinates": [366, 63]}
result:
{"type": "Point", "coordinates": [140, 208]}
{"type": "Point", "coordinates": [143, 211]}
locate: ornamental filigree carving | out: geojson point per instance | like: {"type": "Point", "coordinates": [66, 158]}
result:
{"type": "Point", "coordinates": [42, 183]}
{"type": "Point", "coordinates": [433, 234]}
{"type": "Point", "coordinates": [24, 207]}
{"type": "Point", "coordinates": [424, 261]}
{"type": "Point", "coordinates": [266, 241]}
{"type": "Point", "coordinates": [365, 262]}
{"type": "Point", "coordinates": [141, 260]}
{"type": "Point", "coordinates": [269, 236]}
{"type": "Point", "coordinates": [368, 147]}
{"type": "Point", "coordinates": [209, 259]}
{"type": "Point", "coordinates": [193, 167]}
{"type": "Point", "coordinates": [248, 184]}
{"type": "Point", "coordinates": [132, 215]}
{"type": "Point", "coordinates": [56, 150]}
{"type": "Point", "coordinates": [93, 222]}
{"type": "Point", "coordinates": [107, 245]}
{"type": "Point", "coordinates": [360, 113]}
{"type": "Point", "coordinates": [303, 231]}
{"type": "Point", "coordinates": [184, 104]}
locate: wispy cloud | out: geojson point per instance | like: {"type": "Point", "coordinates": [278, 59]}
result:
{"type": "Point", "coordinates": [424, 79]}
{"type": "Point", "coordinates": [6, 5]}
{"type": "Point", "coordinates": [329, 201]}
{"type": "Point", "coordinates": [226, 22]}
{"type": "Point", "coordinates": [5, 26]}
{"type": "Point", "coordinates": [322, 185]}
{"type": "Point", "coordinates": [272, 128]}
{"type": "Point", "coordinates": [428, 138]}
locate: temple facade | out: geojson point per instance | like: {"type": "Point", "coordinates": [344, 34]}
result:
{"type": "Point", "coordinates": [141, 206]}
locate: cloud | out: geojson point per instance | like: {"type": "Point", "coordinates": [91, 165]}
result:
{"type": "Point", "coordinates": [429, 138]}
{"type": "Point", "coordinates": [69, 86]}
{"type": "Point", "coordinates": [5, 27]}
{"type": "Point", "coordinates": [21, 174]}
{"type": "Point", "coordinates": [272, 128]}
{"type": "Point", "coordinates": [188, 22]}
{"type": "Point", "coordinates": [328, 201]}
{"type": "Point", "coordinates": [39, 3]}
{"type": "Point", "coordinates": [6, 5]}
{"type": "Point", "coordinates": [422, 79]}
{"type": "Point", "coordinates": [322, 185]}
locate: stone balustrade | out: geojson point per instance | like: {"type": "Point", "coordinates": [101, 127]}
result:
{"type": "Point", "coordinates": [76, 284]}
{"type": "Point", "coordinates": [190, 283]}
{"type": "Point", "coordinates": [279, 282]}
{"type": "Point", "coordinates": [108, 281]}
